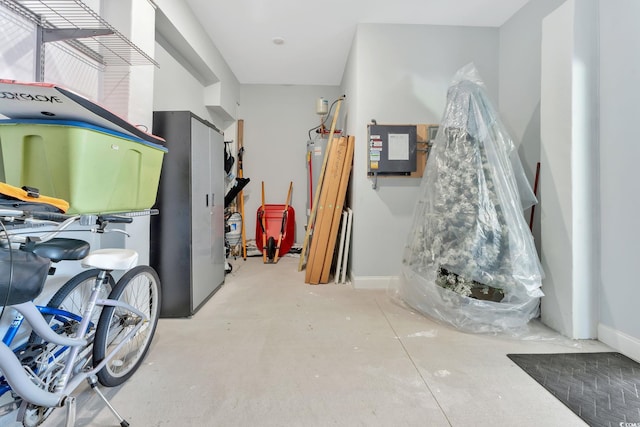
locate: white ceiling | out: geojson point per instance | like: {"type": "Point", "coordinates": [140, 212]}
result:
{"type": "Point", "coordinates": [317, 35]}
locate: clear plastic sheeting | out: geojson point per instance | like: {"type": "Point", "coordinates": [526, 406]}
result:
{"type": "Point", "coordinates": [470, 260]}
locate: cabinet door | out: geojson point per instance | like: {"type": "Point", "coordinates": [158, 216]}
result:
{"type": "Point", "coordinates": [217, 219]}
{"type": "Point", "coordinates": [201, 207]}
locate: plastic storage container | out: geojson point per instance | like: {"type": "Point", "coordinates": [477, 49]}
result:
{"type": "Point", "coordinates": [95, 169]}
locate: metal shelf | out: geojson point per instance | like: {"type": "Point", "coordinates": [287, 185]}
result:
{"type": "Point", "coordinates": [72, 20]}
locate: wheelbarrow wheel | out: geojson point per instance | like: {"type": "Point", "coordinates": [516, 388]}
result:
{"type": "Point", "coordinates": [271, 248]}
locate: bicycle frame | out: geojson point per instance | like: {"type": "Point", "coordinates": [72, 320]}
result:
{"type": "Point", "coordinates": [17, 322]}
{"type": "Point", "coordinates": [20, 380]}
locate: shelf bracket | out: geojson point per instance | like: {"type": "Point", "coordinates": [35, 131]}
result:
{"type": "Point", "coordinates": [46, 35]}
{"type": "Point", "coordinates": [57, 34]}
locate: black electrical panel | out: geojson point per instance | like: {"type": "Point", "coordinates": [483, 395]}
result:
{"type": "Point", "coordinates": [392, 149]}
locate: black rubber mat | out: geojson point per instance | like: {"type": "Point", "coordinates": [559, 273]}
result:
{"type": "Point", "coordinates": [601, 388]}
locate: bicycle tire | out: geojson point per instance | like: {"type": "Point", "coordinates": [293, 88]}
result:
{"type": "Point", "coordinates": [139, 287]}
{"type": "Point", "coordinates": [71, 296]}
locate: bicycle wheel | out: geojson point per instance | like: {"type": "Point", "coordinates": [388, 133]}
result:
{"type": "Point", "coordinates": [139, 287]}
{"type": "Point", "coordinates": [72, 297]}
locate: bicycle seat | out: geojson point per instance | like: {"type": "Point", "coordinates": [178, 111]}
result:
{"type": "Point", "coordinates": [111, 259]}
{"type": "Point", "coordinates": [62, 249]}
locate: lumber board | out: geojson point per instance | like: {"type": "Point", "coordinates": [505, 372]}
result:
{"type": "Point", "coordinates": [318, 208]}
{"type": "Point", "coordinates": [323, 218]}
{"type": "Point", "coordinates": [337, 211]}
{"type": "Point", "coordinates": [328, 197]}
{"type": "Point", "coordinates": [312, 216]}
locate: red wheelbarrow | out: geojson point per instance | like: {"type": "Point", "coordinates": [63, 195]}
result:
{"type": "Point", "coordinates": [275, 229]}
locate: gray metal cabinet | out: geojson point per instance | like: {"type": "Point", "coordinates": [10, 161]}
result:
{"type": "Point", "coordinates": [187, 237]}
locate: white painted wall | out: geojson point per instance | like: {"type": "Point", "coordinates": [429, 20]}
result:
{"type": "Point", "coordinates": [619, 154]}
{"type": "Point", "coordinates": [17, 38]}
{"type": "Point", "coordinates": [193, 75]}
{"type": "Point", "coordinates": [178, 26]}
{"type": "Point", "coordinates": [276, 124]}
{"type": "Point", "coordinates": [569, 178]}
{"type": "Point", "coordinates": [586, 152]}
{"type": "Point", "coordinates": [520, 45]}
{"type": "Point", "coordinates": [400, 74]}
{"type": "Point", "coordinates": [69, 69]}
{"type": "Point", "coordinates": [175, 88]}
{"type": "Point", "coordinates": [556, 210]}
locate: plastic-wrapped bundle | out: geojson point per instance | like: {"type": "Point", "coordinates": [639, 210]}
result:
{"type": "Point", "coordinates": [470, 260]}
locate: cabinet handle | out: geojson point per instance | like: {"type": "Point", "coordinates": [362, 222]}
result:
{"type": "Point", "coordinates": [206, 203]}
{"type": "Point", "coordinates": [212, 199]}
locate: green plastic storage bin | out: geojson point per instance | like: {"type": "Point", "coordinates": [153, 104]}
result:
{"type": "Point", "coordinates": [95, 169]}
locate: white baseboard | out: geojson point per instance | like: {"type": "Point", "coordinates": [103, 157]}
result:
{"type": "Point", "coordinates": [625, 344]}
{"type": "Point", "coordinates": [373, 282]}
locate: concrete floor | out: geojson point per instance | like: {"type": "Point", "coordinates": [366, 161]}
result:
{"type": "Point", "coordinates": [269, 350]}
